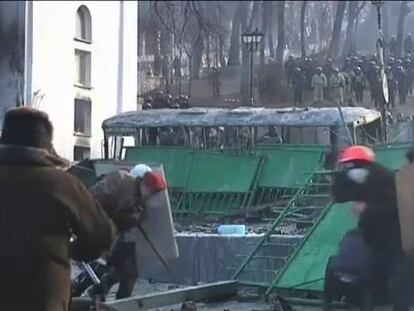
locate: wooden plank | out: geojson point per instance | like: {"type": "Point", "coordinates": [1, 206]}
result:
{"type": "Point", "coordinates": [405, 199]}
{"type": "Point", "coordinates": [217, 290]}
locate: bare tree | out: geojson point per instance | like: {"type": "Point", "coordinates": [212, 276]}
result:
{"type": "Point", "coordinates": [178, 27]}
{"type": "Point", "coordinates": [270, 15]}
{"type": "Point", "coordinates": [280, 31]}
{"type": "Point", "coordinates": [221, 34]}
{"type": "Point", "coordinates": [302, 28]}
{"type": "Point", "coordinates": [386, 14]}
{"type": "Point", "coordinates": [193, 44]}
{"type": "Point", "coordinates": [234, 54]}
{"type": "Point", "coordinates": [253, 15]}
{"type": "Point", "coordinates": [244, 81]}
{"type": "Point", "coordinates": [163, 12]}
{"type": "Point", "coordinates": [336, 32]}
{"type": "Point", "coordinates": [404, 11]}
{"type": "Point", "coordinates": [324, 23]}
{"type": "Point", "coordinates": [354, 8]}
{"type": "Point", "coordinates": [264, 29]}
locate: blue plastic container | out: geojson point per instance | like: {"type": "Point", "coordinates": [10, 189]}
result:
{"type": "Point", "coordinates": [231, 230]}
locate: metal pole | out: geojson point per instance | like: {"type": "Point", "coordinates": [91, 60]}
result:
{"type": "Point", "coordinates": [379, 17]}
{"type": "Point", "coordinates": [251, 75]}
{"type": "Point", "coordinates": [91, 273]}
{"type": "Point", "coordinates": [153, 247]}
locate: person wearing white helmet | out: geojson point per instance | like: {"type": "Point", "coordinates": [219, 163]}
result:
{"type": "Point", "coordinates": [140, 170]}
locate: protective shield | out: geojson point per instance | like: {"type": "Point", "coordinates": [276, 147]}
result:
{"type": "Point", "coordinates": [159, 228]}
{"type": "Point", "coordinates": [405, 201]}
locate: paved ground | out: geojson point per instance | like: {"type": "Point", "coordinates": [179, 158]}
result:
{"type": "Point", "coordinates": [144, 287]}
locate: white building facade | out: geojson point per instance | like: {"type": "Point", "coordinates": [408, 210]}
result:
{"type": "Point", "coordinates": [80, 67]}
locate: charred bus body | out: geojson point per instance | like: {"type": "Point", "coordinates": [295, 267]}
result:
{"type": "Point", "coordinates": [240, 129]}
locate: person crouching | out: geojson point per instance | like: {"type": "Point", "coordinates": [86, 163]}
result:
{"type": "Point", "coordinates": [123, 194]}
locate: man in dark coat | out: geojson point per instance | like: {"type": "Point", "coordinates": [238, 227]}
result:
{"type": "Point", "coordinates": [43, 208]}
{"type": "Point", "coordinates": [373, 188]}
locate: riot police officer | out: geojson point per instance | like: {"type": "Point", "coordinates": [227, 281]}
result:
{"type": "Point", "coordinates": [392, 86]}
{"type": "Point", "coordinates": [159, 101]}
{"type": "Point", "coordinates": [147, 103]}
{"type": "Point", "coordinates": [184, 102]}
{"type": "Point", "coordinates": [319, 83]}
{"type": "Point", "coordinates": [299, 82]}
{"type": "Point", "coordinates": [358, 84]}
{"type": "Point", "coordinates": [289, 69]}
{"type": "Point", "coordinates": [401, 77]}
{"type": "Point", "coordinates": [337, 85]}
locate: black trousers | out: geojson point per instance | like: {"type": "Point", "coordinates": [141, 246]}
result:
{"type": "Point", "coordinates": [298, 94]}
{"type": "Point", "coordinates": [359, 93]}
{"type": "Point", "coordinates": [123, 270]}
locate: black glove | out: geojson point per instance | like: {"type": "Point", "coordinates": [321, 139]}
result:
{"type": "Point", "coordinates": [129, 218]}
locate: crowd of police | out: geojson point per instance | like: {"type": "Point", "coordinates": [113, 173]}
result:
{"type": "Point", "coordinates": [166, 101]}
{"type": "Point", "coordinates": [347, 83]}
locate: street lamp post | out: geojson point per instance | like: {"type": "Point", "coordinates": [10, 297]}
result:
{"type": "Point", "coordinates": [380, 52]}
{"type": "Point", "coordinates": [252, 41]}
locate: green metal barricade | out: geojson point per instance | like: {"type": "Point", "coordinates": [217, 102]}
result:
{"type": "Point", "coordinates": [220, 183]}
{"type": "Point", "coordinates": [392, 155]}
{"type": "Point", "coordinates": [286, 169]}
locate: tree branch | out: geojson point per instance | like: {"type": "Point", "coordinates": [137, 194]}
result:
{"type": "Point", "coordinates": [161, 19]}
{"type": "Point", "coordinates": [200, 23]}
{"type": "Point", "coordinates": [186, 19]}
{"type": "Point", "coordinates": [361, 7]}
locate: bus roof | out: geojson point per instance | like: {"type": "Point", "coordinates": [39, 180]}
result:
{"type": "Point", "coordinates": [127, 123]}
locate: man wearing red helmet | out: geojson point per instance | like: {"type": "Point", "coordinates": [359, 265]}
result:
{"type": "Point", "coordinates": [372, 188]}
{"type": "Point", "coordinates": [123, 195]}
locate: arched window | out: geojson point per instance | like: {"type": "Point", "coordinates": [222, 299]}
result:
{"type": "Point", "coordinates": [83, 24]}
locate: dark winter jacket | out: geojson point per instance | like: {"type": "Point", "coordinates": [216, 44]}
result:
{"type": "Point", "coordinates": [118, 194]}
{"type": "Point", "coordinates": [379, 221]}
{"type": "Point", "coordinates": [41, 208]}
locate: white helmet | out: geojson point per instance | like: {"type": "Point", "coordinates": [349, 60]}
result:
{"type": "Point", "coordinates": [140, 170]}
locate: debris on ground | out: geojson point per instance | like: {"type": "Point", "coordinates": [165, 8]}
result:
{"type": "Point", "coordinates": [188, 306]}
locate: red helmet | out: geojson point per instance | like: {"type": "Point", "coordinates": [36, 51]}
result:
{"type": "Point", "coordinates": [357, 153]}
{"type": "Point", "coordinates": [154, 181]}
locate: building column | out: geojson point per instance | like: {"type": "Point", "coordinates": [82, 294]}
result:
{"type": "Point", "coordinates": [28, 53]}
{"type": "Point", "coordinates": [120, 86]}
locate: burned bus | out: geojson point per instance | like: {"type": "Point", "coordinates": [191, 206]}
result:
{"type": "Point", "coordinates": [240, 129]}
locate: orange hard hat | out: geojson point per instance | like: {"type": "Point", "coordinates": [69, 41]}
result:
{"type": "Point", "coordinates": [357, 153]}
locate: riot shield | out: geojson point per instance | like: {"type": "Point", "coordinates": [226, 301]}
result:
{"type": "Point", "coordinates": [159, 230]}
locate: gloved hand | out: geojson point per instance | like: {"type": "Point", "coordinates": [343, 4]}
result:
{"type": "Point", "coordinates": [358, 208]}
{"type": "Point", "coordinates": [127, 218]}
